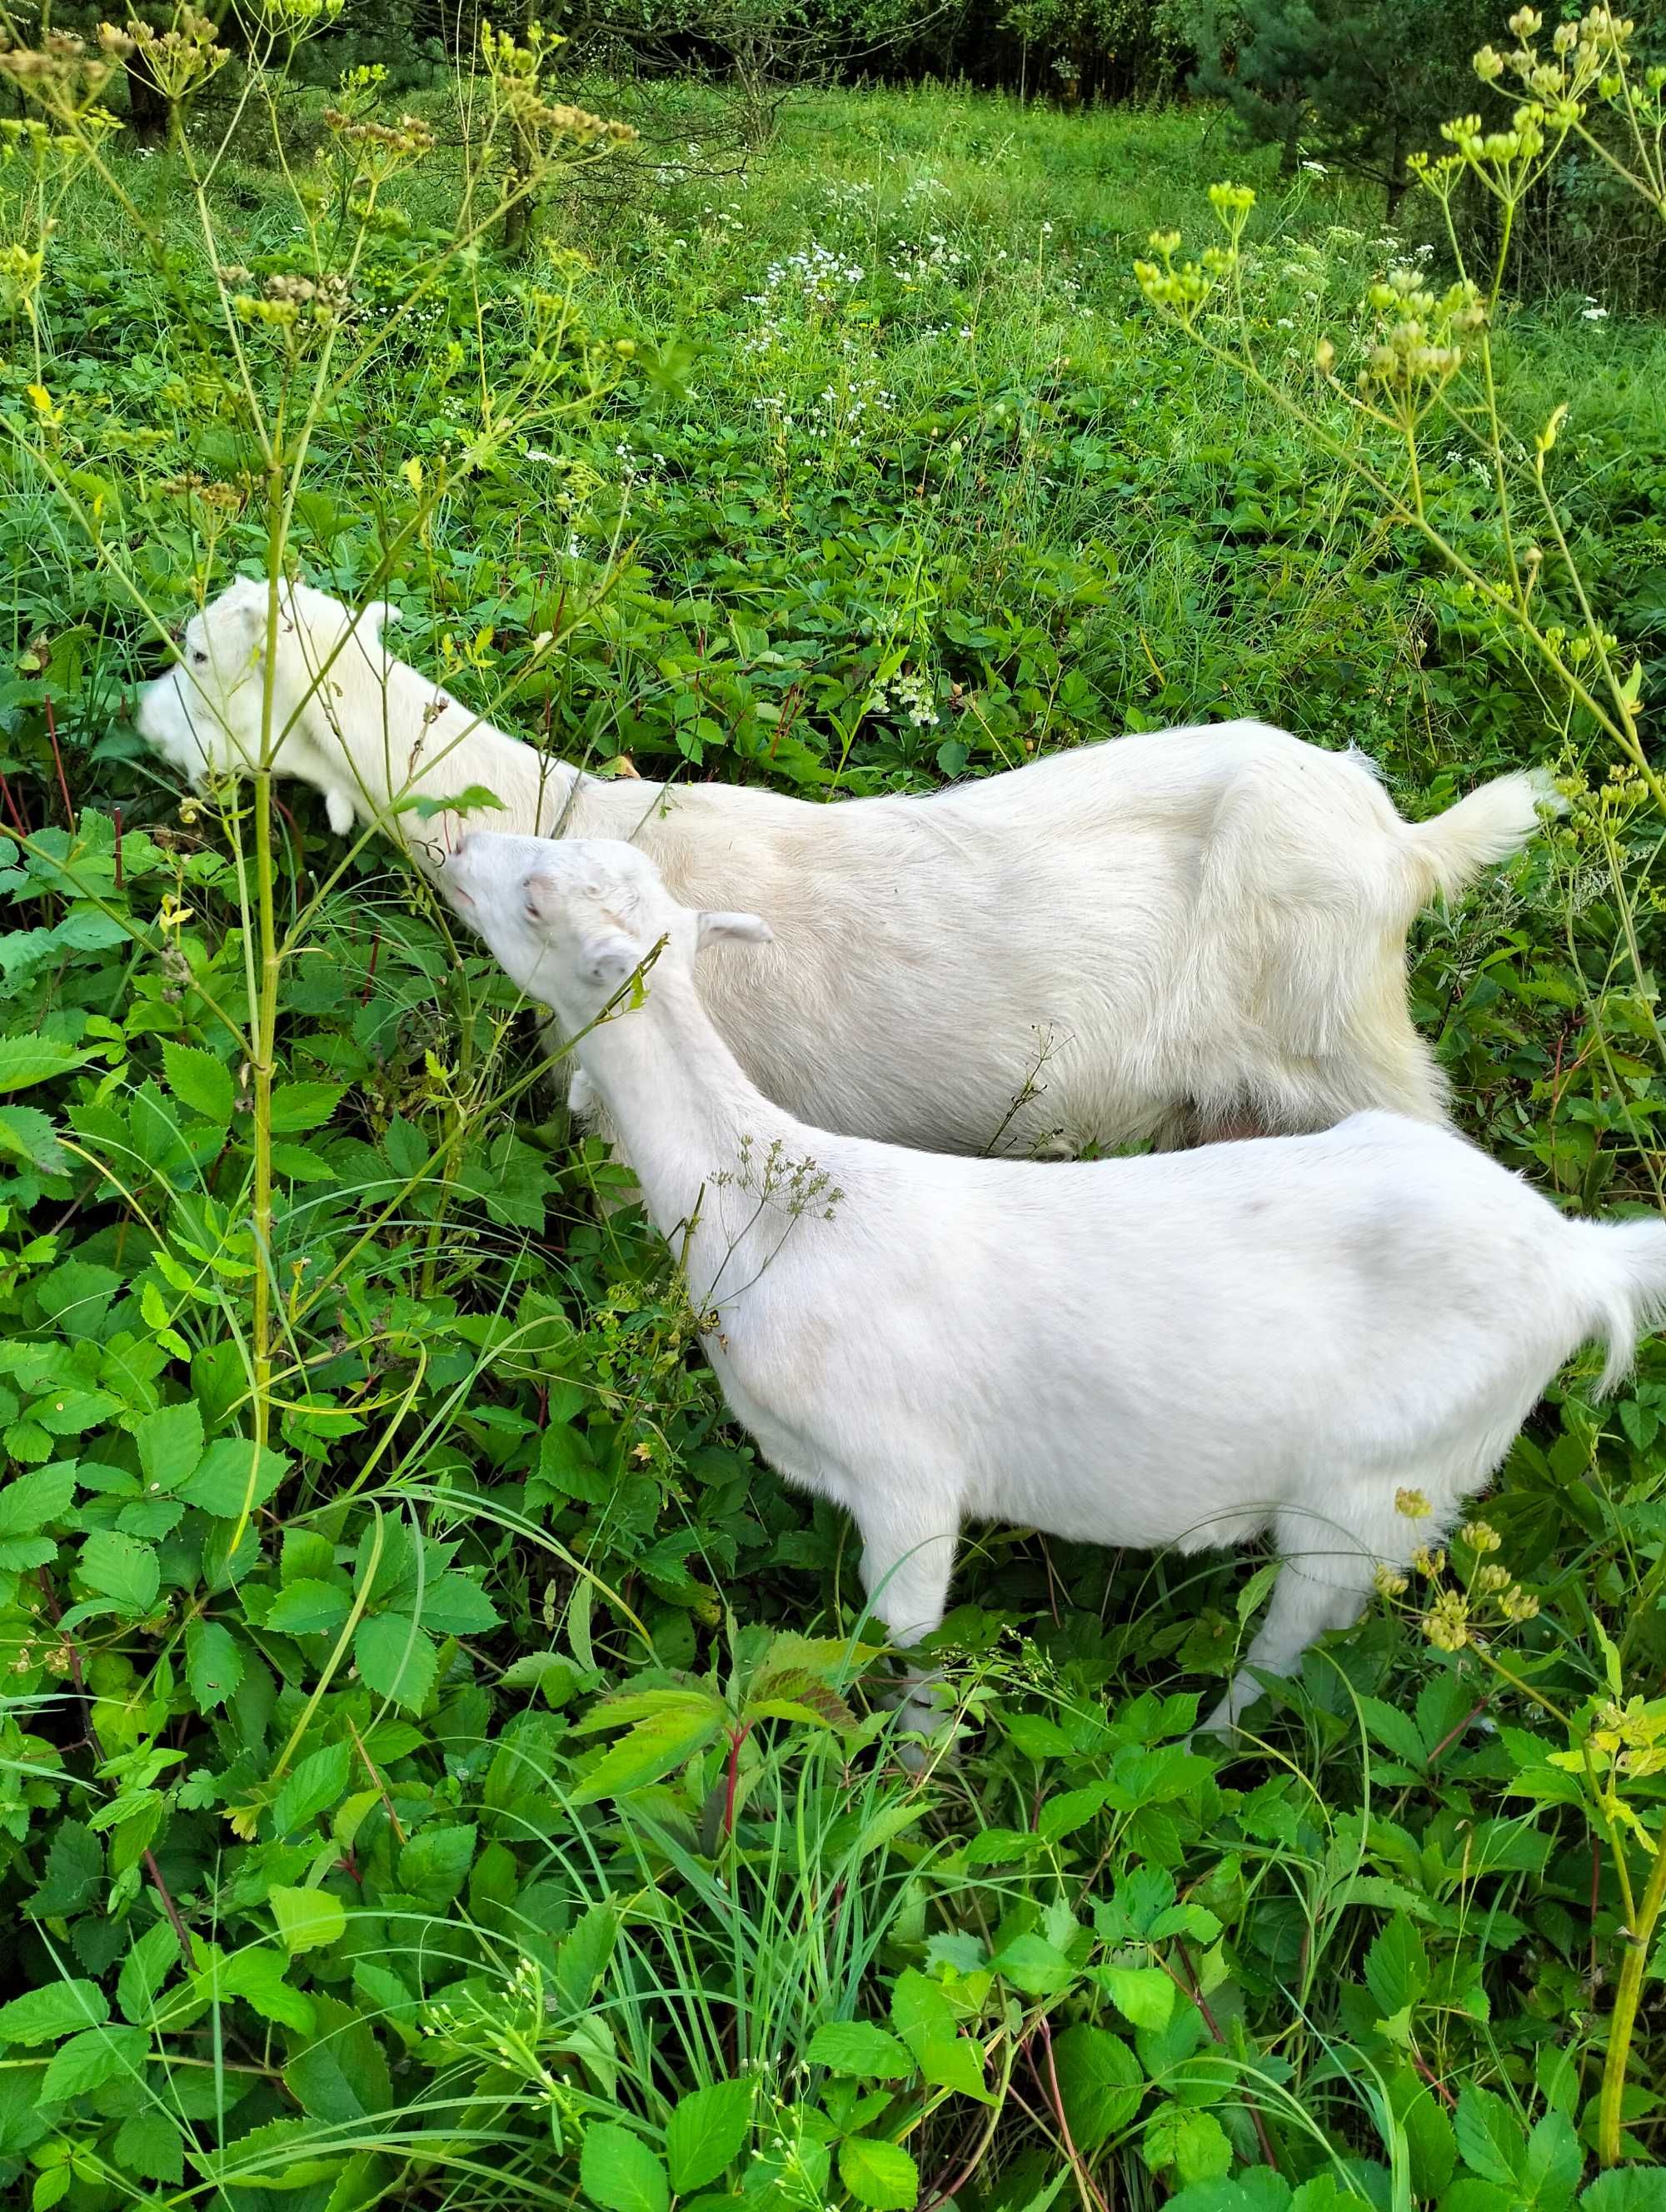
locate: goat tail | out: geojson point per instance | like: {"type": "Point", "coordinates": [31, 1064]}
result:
{"type": "Point", "coordinates": [1489, 825]}
{"type": "Point", "coordinates": [1625, 1289]}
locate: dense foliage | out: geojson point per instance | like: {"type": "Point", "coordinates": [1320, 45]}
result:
{"type": "Point", "coordinates": [472, 1790]}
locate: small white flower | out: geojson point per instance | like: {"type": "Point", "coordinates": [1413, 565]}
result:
{"type": "Point", "coordinates": [1316, 168]}
{"type": "Point", "coordinates": [1593, 313]}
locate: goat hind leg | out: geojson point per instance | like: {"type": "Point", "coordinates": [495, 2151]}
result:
{"type": "Point", "coordinates": [905, 1572]}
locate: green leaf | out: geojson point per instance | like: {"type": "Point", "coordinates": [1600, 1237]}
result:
{"type": "Point", "coordinates": [435, 1864]}
{"type": "Point", "coordinates": [306, 1607]}
{"type": "Point", "coordinates": [1100, 2081]}
{"type": "Point", "coordinates": [314, 1787]}
{"type": "Point", "coordinates": [582, 1957]}
{"type": "Point", "coordinates": [307, 1919]}
{"type": "Point", "coordinates": [116, 1567]}
{"type": "Point", "coordinates": [620, 2172]}
{"type": "Point", "coordinates": [54, 2010]}
{"type": "Point", "coordinates": [214, 1663]}
{"type": "Point", "coordinates": [707, 2132]}
{"type": "Point", "coordinates": [395, 1659]}
{"type": "Point", "coordinates": [1194, 2143]}
{"type": "Point", "coordinates": [27, 1134]}
{"type": "Point", "coordinates": [145, 1970]}
{"type": "Point", "coordinates": [955, 2062]}
{"type": "Point", "coordinates": [201, 1082]}
{"type": "Point", "coordinates": [651, 1749]}
{"type": "Point", "coordinates": [455, 1605]}
{"type": "Point", "coordinates": [856, 2046]}
{"type": "Point", "coordinates": [221, 1482]}
{"type": "Point", "coordinates": [151, 2146]}
{"type": "Point", "coordinates": [170, 1443]}
{"type": "Point", "coordinates": [26, 1059]}
{"type": "Point", "coordinates": [878, 2174]}
{"type": "Point", "coordinates": [1627, 2189]}
{"type": "Point", "coordinates": [257, 1976]}
{"type": "Point", "coordinates": [1489, 2136]}
{"type": "Point", "coordinates": [1398, 1731]}
{"type": "Point", "coordinates": [342, 2076]}
{"type": "Point", "coordinates": [1397, 1966]}
{"type": "Point", "coordinates": [90, 2059]}
{"type": "Point", "coordinates": [75, 1866]}
{"type": "Point", "coordinates": [1143, 1994]}
{"type": "Point", "coordinates": [1036, 1966]}
{"type": "Point", "coordinates": [29, 1502]}
{"type": "Point", "coordinates": [303, 1105]}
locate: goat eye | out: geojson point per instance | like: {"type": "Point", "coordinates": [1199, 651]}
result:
{"type": "Point", "coordinates": [201, 658]}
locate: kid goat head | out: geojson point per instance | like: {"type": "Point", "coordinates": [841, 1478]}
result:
{"type": "Point", "coordinates": [569, 921]}
{"type": "Point", "coordinates": [205, 715]}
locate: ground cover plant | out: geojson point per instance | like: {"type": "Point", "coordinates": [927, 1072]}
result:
{"type": "Point", "coordinates": [439, 1765]}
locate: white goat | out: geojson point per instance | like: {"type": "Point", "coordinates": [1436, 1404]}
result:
{"type": "Point", "coordinates": [1187, 1348]}
{"type": "Point", "coordinates": [1172, 933]}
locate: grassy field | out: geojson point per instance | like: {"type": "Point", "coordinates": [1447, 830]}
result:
{"type": "Point", "coordinates": [473, 1794]}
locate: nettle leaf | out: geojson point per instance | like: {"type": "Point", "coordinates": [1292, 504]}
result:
{"type": "Point", "coordinates": [257, 1976]}
{"type": "Point", "coordinates": [878, 2174]}
{"type": "Point", "coordinates": [214, 1663]}
{"type": "Point", "coordinates": [145, 1969]}
{"type": "Point", "coordinates": [856, 2046]}
{"type": "Point", "coordinates": [90, 2059]}
{"type": "Point", "coordinates": [1489, 2136]}
{"type": "Point", "coordinates": [435, 1864]}
{"type": "Point", "coordinates": [707, 2132]}
{"type": "Point", "coordinates": [1396, 1730]}
{"type": "Point", "coordinates": [618, 2172]}
{"type": "Point", "coordinates": [201, 1082]}
{"type": "Point", "coordinates": [1627, 2189]}
{"type": "Point", "coordinates": [53, 2011]}
{"type": "Point", "coordinates": [582, 1957]}
{"type": "Point", "coordinates": [455, 1605]}
{"type": "Point", "coordinates": [297, 1106]}
{"type": "Point", "coordinates": [1397, 1966]}
{"type": "Point", "coordinates": [75, 1867]}
{"type": "Point", "coordinates": [342, 2076]}
{"type": "Point", "coordinates": [1101, 2081]}
{"type": "Point", "coordinates": [170, 1443]}
{"type": "Point", "coordinates": [395, 1659]}
{"type": "Point", "coordinates": [28, 1060]}
{"type": "Point", "coordinates": [314, 1787]}
{"type": "Point", "coordinates": [29, 1135]}
{"type": "Point", "coordinates": [306, 1607]}
{"type": "Point", "coordinates": [150, 2145]}
{"type": "Point", "coordinates": [118, 1567]}
{"type": "Point", "coordinates": [231, 1475]}
{"type": "Point", "coordinates": [29, 1502]}
{"type": "Point", "coordinates": [653, 1749]}
{"type": "Point", "coordinates": [307, 1919]}
{"type": "Point", "coordinates": [1143, 1995]}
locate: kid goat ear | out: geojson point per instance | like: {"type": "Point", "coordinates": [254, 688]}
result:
{"type": "Point", "coordinates": [750, 928]}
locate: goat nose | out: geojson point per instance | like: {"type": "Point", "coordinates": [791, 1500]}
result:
{"type": "Point", "coordinates": [458, 849]}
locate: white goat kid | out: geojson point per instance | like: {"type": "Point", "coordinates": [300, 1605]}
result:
{"type": "Point", "coordinates": [1169, 933]}
{"type": "Point", "coordinates": [1187, 1348]}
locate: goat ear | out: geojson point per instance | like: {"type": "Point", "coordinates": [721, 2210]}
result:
{"type": "Point", "coordinates": [607, 956]}
{"type": "Point", "coordinates": [750, 928]}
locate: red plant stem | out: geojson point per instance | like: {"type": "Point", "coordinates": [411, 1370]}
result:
{"type": "Point", "coordinates": [370, 973]}
{"type": "Point", "coordinates": [11, 807]}
{"type": "Point", "coordinates": [1434, 2081]}
{"type": "Point", "coordinates": [58, 762]}
{"type": "Point", "coordinates": [1453, 1734]}
{"type": "Point", "coordinates": [1077, 2164]}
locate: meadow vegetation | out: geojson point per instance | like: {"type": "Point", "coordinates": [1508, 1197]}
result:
{"type": "Point", "coordinates": [438, 1764]}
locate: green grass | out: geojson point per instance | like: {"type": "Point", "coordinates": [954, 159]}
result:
{"type": "Point", "coordinates": [468, 1926]}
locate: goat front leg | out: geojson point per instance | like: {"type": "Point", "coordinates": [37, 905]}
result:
{"type": "Point", "coordinates": [906, 1565]}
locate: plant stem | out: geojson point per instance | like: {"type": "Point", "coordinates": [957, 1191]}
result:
{"type": "Point", "coordinates": [1623, 2019]}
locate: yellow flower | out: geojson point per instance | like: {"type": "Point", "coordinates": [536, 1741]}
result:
{"type": "Point", "coordinates": [1480, 1536]}
{"type": "Point", "coordinates": [1413, 1504]}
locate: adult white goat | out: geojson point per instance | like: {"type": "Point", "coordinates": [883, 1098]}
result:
{"type": "Point", "coordinates": [1187, 1348]}
{"type": "Point", "coordinates": [1174, 934]}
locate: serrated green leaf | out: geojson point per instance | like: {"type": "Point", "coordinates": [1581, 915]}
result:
{"type": "Point", "coordinates": [118, 1567]}
{"type": "Point", "coordinates": [28, 1060]}
{"type": "Point", "coordinates": [435, 1864]}
{"type": "Point", "coordinates": [707, 2132]}
{"type": "Point", "coordinates": [306, 1607]}
{"type": "Point", "coordinates": [214, 1663]}
{"type": "Point", "coordinates": [170, 1443]}
{"type": "Point", "coordinates": [395, 1659]}
{"type": "Point", "coordinates": [315, 1785]}
{"type": "Point", "coordinates": [75, 1867]}
{"type": "Point", "coordinates": [230, 1475]}
{"type": "Point", "coordinates": [90, 2059]}
{"type": "Point", "coordinates": [145, 1970]}
{"type": "Point", "coordinates": [200, 1082]}
{"type": "Point", "coordinates": [619, 2172]}
{"type": "Point", "coordinates": [29, 1502]}
{"type": "Point", "coordinates": [653, 1748]}
{"type": "Point", "coordinates": [297, 1106]}
{"type": "Point", "coordinates": [54, 2010]}
{"type": "Point", "coordinates": [879, 2175]}
{"type": "Point", "coordinates": [857, 2047]}
{"type": "Point", "coordinates": [307, 1919]}
{"type": "Point", "coordinates": [151, 2146]}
